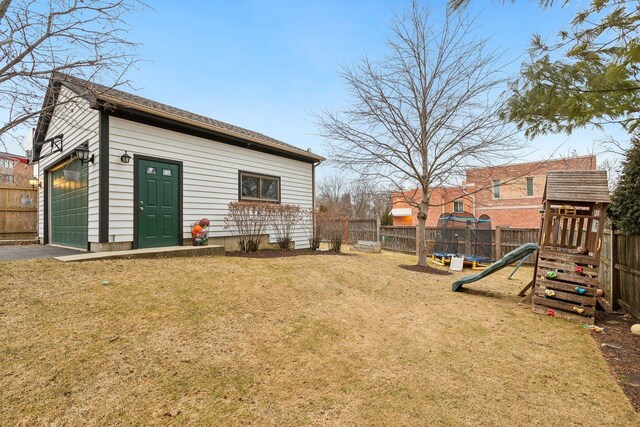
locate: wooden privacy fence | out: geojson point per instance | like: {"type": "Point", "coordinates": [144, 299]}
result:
{"type": "Point", "coordinates": [620, 270]}
{"type": "Point", "coordinates": [507, 239]}
{"type": "Point", "coordinates": [403, 239]}
{"type": "Point", "coordinates": [363, 229]}
{"type": "Point", "coordinates": [18, 213]}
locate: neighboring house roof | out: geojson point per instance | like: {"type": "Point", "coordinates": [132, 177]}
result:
{"type": "Point", "coordinates": [14, 157]}
{"type": "Point", "coordinates": [577, 186]}
{"type": "Point", "coordinates": [112, 99]}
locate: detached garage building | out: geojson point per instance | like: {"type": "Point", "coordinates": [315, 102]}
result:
{"type": "Point", "coordinates": [123, 172]}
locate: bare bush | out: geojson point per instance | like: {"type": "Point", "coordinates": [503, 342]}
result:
{"type": "Point", "coordinates": [310, 227]}
{"type": "Point", "coordinates": [284, 219]}
{"type": "Point", "coordinates": [247, 222]}
{"type": "Point", "coordinates": [330, 226]}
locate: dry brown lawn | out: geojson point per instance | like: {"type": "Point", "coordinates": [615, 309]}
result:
{"type": "Point", "coordinates": [329, 340]}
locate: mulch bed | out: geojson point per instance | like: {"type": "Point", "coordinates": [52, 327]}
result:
{"type": "Point", "coordinates": [622, 350]}
{"type": "Point", "coordinates": [274, 253]}
{"type": "Point", "coordinates": [426, 269]}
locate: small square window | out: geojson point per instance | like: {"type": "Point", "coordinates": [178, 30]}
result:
{"type": "Point", "coordinates": [250, 185]}
{"type": "Point", "coordinates": [269, 189]}
{"type": "Point", "coordinates": [166, 172]}
{"type": "Point", "coordinates": [151, 170]}
{"type": "Point", "coordinates": [458, 206]}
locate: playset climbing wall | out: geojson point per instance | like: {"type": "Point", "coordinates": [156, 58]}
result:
{"type": "Point", "coordinates": [566, 274]}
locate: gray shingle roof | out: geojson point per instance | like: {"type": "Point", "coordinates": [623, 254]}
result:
{"type": "Point", "coordinates": [577, 186]}
{"type": "Point", "coordinates": [114, 97]}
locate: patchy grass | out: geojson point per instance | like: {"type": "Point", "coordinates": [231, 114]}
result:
{"type": "Point", "coordinates": [287, 341]}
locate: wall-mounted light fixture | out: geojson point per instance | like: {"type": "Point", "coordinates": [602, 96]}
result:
{"type": "Point", "coordinates": [82, 151]}
{"type": "Point", "coordinates": [34, 182]}
{"type": "Point", "coordinates": [125, 158]}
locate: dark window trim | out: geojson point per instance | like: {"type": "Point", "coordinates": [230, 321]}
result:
{"type": "Point", "coordinates": [45, 207]}
{"type": "Point", "coordinates": [258, 175]}
{"type": "Point", "coordinates": [178, 163]}
{"type": "Point", "coordinates": [103, 178]}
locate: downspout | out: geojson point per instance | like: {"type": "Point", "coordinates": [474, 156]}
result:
{"type": "Point", "coordinates": [313, 199]}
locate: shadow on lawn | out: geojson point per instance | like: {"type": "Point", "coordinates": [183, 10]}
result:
{"type": "Point", "coordinates": [425, 269]}
{"type": "Point", "coordinates": [275, 253]}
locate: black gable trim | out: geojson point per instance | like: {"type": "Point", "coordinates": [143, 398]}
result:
{"type": "Point", "coordinates": [50, 98]}
{"type": "Point", "coordinates": [172, 125]}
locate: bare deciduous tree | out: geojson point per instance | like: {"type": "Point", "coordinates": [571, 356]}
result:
{"type": "Point", "coordinates": [425, 112]}
{"type": "Point", "coordinates": [368, 199]}
{"type": "Point", "coordinates": [361, 198]}
{"type": "Point", "coordinates": [333, 195]}
{"type": "Point", "coordinates": [41, 38]}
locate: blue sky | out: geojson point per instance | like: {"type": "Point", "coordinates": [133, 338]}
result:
{"type": "Point", "coordinates": [269, 65]}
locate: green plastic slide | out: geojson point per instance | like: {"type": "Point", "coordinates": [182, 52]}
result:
{"type": "Point", "coordinates": [509, 258]}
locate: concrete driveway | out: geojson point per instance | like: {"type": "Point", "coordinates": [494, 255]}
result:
{"type": "Point", "coordinates": [13, 253]}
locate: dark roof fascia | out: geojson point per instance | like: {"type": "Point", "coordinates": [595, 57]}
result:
{"type": "Point", "coordinates": [153, 120]}
{"type": "Point", "coordinates": [50, 97]}
{"type": "Point", "coordinates": [176, 126]}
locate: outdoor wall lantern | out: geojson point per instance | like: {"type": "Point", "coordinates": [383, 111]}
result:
{"type": "Point", "coordinates": [125, 158]}
{"type": "Point", "coordinates": [83, 154]}
{"type": "Point", "coordinates": [34, 182]}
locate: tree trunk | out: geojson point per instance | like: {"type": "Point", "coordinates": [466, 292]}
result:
{"type": "Point", "coordinates": [422, 223]}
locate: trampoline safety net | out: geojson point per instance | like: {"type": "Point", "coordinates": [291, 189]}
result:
{"type": "Point", "coordinates": [460, 233]}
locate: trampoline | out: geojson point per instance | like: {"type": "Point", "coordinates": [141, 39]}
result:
{"type": "Point", "coordinates": [461, 234]}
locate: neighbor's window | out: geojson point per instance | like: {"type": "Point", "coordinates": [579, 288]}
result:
{"type": "Point", "coordinates": [458, 206]}
{"type": "Point", "coordinates": [496, 188]}
{"type": "Point", "coordinates": [530, 186]}
{"type": "Point", "coordinates": [259, 187]}
{"type": "Point", "coordinates": [6, 163]}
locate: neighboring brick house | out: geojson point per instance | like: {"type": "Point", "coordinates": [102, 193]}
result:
{"type": "Point", "coordinates": [14, 170]}
{"type": "Point", "coordinates": [449, 199]}
{"type": "Point", "coordinates": [511, 194]}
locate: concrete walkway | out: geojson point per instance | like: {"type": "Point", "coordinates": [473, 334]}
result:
{"type": "Point", "coordinates": [168, 251]}
{"type": "Point", "coordinates": [20, 252]}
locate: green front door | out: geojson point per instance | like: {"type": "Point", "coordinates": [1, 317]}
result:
{"type": "Point", "coordinates": [157, 205]}
{"type": "Point", "coordinates": [69, 201]}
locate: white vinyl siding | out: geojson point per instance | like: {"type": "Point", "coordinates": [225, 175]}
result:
{"type": "Point", "coordinates": [78, 123]}
{"type": "Point", "coordinates": [210, 176]}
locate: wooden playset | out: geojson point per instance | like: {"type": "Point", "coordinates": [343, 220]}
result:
{"type": "Point", "coordinates": [565, 279]}
{"type": "Point", "coordinates": [565, 282]}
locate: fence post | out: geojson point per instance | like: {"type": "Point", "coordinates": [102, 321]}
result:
{"type": "Point", "coordinates": [345, 221]}
{"type": "Point", "coordinates": [614, 274]}
{"type": "Point", "coordinates": [498, 242]}
{"type": "Point", "coordinates": [416, 240]}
